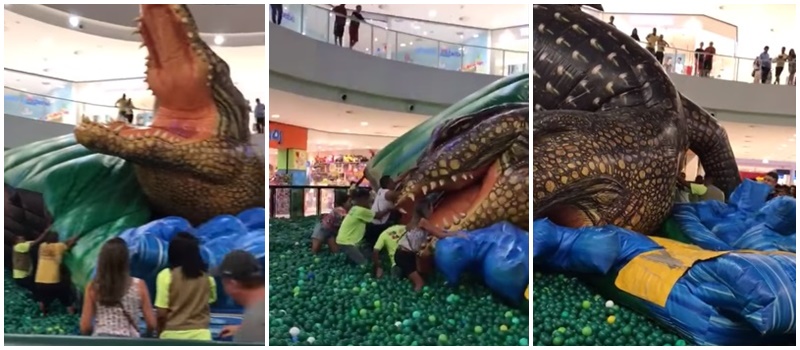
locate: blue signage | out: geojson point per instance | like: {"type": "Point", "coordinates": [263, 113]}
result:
{"type": "Point", "coordinates": [276, 135]}
{"type": "Point", "coordinates": [442, 53]}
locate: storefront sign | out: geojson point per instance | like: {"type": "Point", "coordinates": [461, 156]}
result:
{"type": "Point", "coordinates": [276, 135]}
{"type": "Point", "coordinates": [285, 136]}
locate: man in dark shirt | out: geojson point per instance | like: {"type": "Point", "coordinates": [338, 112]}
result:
{"type": "Point", "coordinates": [339, 20]}
{"type": "Point", "coordinates": [699, 57]}
{"type": "Point", "coordinates": [355, 22]}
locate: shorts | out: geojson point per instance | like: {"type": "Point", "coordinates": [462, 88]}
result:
{"type": "Point", "coordinates": [406, 261]}
{"type": "Point", "coordinates": [46, 293]}
{"type": "Point", "coordinates": [321, 233]}
{"type": "Point", "coordinates": [353, 32]}
{"type": "Point", "coordinates": [338, 30]}
{"type": "Point", "coordinates": [353, 253]}
{"type": "Point", "coordinates": [26, 282]}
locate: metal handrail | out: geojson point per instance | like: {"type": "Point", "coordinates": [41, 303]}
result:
{"type": "Point", "coordinates": [69, 100]}
{"type": "Point", "coordinates": [449, 49]}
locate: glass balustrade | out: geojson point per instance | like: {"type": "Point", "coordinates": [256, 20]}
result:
{"type": "Point", "coordinates": [375, 38]}
{"type": "Point", "coordinates": [25, 104]}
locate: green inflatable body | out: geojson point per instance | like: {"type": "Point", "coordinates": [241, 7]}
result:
{"type": "Point", "coordinates": [402, 153]}
{"type": "Point", "coordinates": [90, 195]}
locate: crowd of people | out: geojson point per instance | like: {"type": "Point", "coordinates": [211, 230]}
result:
{"type": "Point", "coordinates": [703, 189]}
{"type": "Point", "coordinates": [116, 303]}
{"type": "Point", "coordinates": [339, 22]}
{"type": "Point", "coordinates": [362, 226]}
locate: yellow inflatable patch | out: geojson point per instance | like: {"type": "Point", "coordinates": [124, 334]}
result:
{"type": "Point", "coordinates": [651, 276]}
{"type": "Point", "coordinates": [526, 292]}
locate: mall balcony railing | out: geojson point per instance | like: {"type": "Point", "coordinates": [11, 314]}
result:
{"type": "Point", "coordinates": [379, 41]}
{"type": "Point", "coordinates": [287, 201]}
{"type": "Point", "coordinates": [21, 103]}
{"type": "Point", "coordinates": [723, 67]}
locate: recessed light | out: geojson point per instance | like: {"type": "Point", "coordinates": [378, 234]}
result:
{"type": "Point", "coordinates": [411, 43]}
{"type": "Point", "coordinates": [461, 36]}
{"type": "Point", "coordinates": [432, 13]}
{"type": "Point", "coordinates": [219, 39]}
{"type": "Point", "coordinates": [275, 116]}
{"type": "Point", "coordinates": [364, 123]}
{"type": "Point", "coordinates": [424, 32]}
{"type": "Point", "coordinates": [403, 45]}
{"type": "Point", "coordinates": [74, 21]}
{"type": "Point", "coordinates": [765, 161]}
{"type": "Point", "coordinates": [366, 49]}
{"type": "Point", "coordinates": [474, 35]}
{"type": "Point", "coordinates": [376, 39]}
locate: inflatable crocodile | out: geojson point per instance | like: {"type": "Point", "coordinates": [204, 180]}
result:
{"type": "Point", "coordinates": [195, 160]}
{"type": "Point", "coordinates": [610, 130]}
{"type": "Point", "coordinates": [471, 159]}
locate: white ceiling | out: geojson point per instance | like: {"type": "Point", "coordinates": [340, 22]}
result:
{"type": "Point", "coordinates": [758, 24]}
{"type": "Point", "coordinates": [758, 141]}
{"type": "Point", "coordinates": [473, 15]}
{"type": "Point", "coordinates": [40, 48]}
{"type": "Point", "coordinates": [338, 126]}
{"type": "Point", "coordinates": [749, 141]}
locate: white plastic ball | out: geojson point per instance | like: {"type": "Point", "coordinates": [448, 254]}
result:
{"type": "Point", "coordinates": [311, 340]}
{"type": "Point", "coordinates": [398, 324]}
{"type": "Point", "coordinates": [609, 304]}
{"type": "Point", "coordinates": [294, 331]}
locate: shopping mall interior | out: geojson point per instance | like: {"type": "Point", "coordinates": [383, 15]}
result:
{"type": "Point", "coordinates": [336, 153]}
{"type": "Point", "coordinates": [79, 82]}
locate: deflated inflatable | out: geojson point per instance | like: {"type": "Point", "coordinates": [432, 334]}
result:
{"type": "Point", "coordinates": [148, 245]}
{"type": "Point", "coordinates": [748, 221]}
{"type": "Point", "coordinates": [709, 297]}
{"type": "Point", "coordinates": [498, 253]}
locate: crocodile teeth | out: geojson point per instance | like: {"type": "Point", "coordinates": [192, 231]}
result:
{"type": "Point", "coordinates": [411, 196]}
{"type": "Point", "coordinates": [456, 219]}
{"type": "Point", "coordinates": [446, 223]}
{"type": "Point", "coordinates": [464, 176]}
{"type": "Point", "coordinates": [402, 211]}
{"type": "Point", "coordinates": [454, 178]}
{"type": "Point", "coordinates": [433, 185]}
{"type": "Point", "coordinates": [157, 133]}
{"type": "Point", "coordinates": [463, 215]}
{"type": "Point", "coordinates": [118, 128]}
{"type": "Point", "coordinates": [442, 182]}
{"type": "Point", "coordinates": [190, 35]}
{"type": "Point", "coordinates": [424, 190]}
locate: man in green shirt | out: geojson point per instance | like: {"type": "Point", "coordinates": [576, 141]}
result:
{"type": "Point", "coordinates": [387, 240]}
{"type": "Point", "coordinates": [354, 225]}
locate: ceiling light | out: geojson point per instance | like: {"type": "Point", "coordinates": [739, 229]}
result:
{"type": "Point", "coordinates": [219, 39]}
{"type": "Point", "coordinates": [411, 43]}
{"type": "Point", "coordinates": [474, 35]}
{"type": "Point", "coordinates": [403, 45]}
{"type": "Point", "coordinates": [364, 123]}
{"type": "Point", "coordinates": [376, 39]}
{"type": "Point", "coordinates": [275, 116]}
{"type": "Point", "coordinates": [366, 49]}
{"type": "Point", "coordinates": [432, 13]}
{"type": "Point", "coordinates": [461, 36]}
{"type": "Point", "coordinates": [765, 161]}
{"type": "Point", "coordinates": [74, 21]}
{"type": "Point", "coordinates": [424, 32]}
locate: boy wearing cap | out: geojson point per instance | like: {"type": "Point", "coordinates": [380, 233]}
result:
{"type": "Point", "coordinates": [243, 280]}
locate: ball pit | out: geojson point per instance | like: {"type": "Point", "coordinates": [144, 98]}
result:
{"type": "Point", "coordinates": [333, 303]}
{"type": "Point", "coordinates": [22, 314]}
{"type": "Point", "coordinates": [567, 312]}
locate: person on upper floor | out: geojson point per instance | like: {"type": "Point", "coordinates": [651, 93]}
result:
{"type": "Point", "coordinates": [766, 64]}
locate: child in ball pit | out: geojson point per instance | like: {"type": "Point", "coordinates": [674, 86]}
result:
{"type": "Point", "coordinates": [410, 247]}
{"type": "Point", "coordinates": [354, 226]}
{"type": "Point", "coordinates": [328, 227]}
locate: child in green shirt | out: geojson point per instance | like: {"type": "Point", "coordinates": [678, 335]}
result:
{"type": "Point", "coordinates": [387, 240]}
{"type": "Point", "coordinates": [354, 225]}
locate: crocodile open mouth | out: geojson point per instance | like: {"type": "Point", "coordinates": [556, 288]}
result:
{"type": "Point", "coordinates": [457, 199]}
